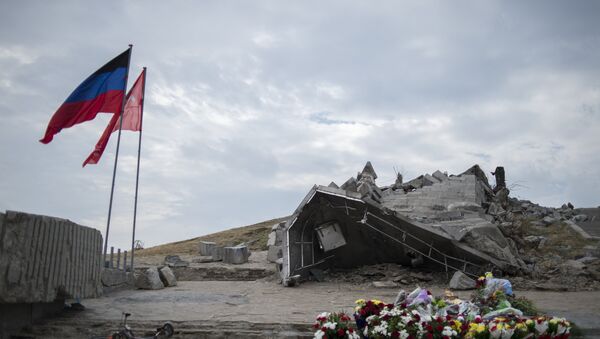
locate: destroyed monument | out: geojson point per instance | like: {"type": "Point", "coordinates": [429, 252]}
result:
{"type": "Point", "coordinates": [437, 221]}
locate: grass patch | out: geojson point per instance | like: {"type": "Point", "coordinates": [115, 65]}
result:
{"type": "Point", "coordinates": [255, 235]}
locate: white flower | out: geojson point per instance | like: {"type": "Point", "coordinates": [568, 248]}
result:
{"type": "Point", "coordinates": [330, 325]}
{"type": "Point", "coordinates": [352, 335]}
{"type": "Point", "coordinates": [404, 334]}
{"type": "Point", "coordinates": [319, 334]}
{"type": "Point", "coordinates": [448, 331]}
{"type": "Point", "coordinates": [381, 328]}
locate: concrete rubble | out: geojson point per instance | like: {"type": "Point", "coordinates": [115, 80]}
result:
{"type": "Point", "coordinates": [461, 281]}
{"type": "Point", "coordinates": [434, 221]}
{"type": "Point", "coordinates": [167, 277]}
{"type": "Point", "coordinates": [149, 280]}
{"type": "Point", "coordinates": [175, 261]}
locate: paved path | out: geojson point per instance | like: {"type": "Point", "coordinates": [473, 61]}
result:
{"type": "Point", "coordinates": [197, 306]}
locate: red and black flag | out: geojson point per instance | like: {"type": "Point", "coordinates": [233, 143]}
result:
{"type": "Point", "coordinates": [102, 91]}
{"type": "Point", "coordinates": [132, 118]}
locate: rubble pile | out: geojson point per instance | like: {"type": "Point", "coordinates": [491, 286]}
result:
{"type": "Point", "coordinates": [542, 247]}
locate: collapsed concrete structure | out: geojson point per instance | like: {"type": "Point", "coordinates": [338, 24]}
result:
{"type": "Point", "coordinates": [441, 221]}
{"type": "Point", "coordinates": [43, 261]}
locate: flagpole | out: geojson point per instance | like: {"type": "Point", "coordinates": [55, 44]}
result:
{"type": "Point", "coordinates": [137, 174]}
{"type": "Point", "coordinates": [112, 189]}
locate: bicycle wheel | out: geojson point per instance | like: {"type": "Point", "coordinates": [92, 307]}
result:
{"type": "Point", "coordinates": [168, 329]}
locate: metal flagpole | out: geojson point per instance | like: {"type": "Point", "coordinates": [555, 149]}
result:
{"type": "Point", "coordinates": [112, 189]}
{"type": "Point", "coordinates": [137, 175]}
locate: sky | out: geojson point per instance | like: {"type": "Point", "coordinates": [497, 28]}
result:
{"type": "Point", "coordinates": [251, 103]}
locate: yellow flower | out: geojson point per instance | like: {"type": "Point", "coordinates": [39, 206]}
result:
{"type": "Point", "coordinates": [553, 321]}
{"type": "Point", "coordinates": [489, 275]}
{"type": "Point", "coordinates": [520, 326]}
{"type": "Point", "coordinates": [360, 301]}
{"type": "Point", "coordinates": [480, 328]}
{"type": "Point", "coordinates": [457, 324]}
{"type": "Point", "coordinates": [377, 302]}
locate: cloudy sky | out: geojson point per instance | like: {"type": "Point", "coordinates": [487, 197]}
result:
{"type": "Point", "coordinates": [250, 103]}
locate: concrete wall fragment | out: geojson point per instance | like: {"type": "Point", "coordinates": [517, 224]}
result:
{"type": "Point", "coordinates": [43, 259]}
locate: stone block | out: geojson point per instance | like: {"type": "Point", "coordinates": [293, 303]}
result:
{"type": "Point", "coordinates": [43, 259]}
{"type": "Point", "coordinates": [217, 254]}
{"type": "Point", "coordinates": [149, 280]}
{"type": "Point", "coordinates": [206, 248]}
{"type": "Point", "coordinates": [167, 277]}
{"type": "Point", "coordinates": [236, 254]}
{"type": "Point", "coordinates": [461, 281]}
{"type": "Point", "coordinates": [113, 277]}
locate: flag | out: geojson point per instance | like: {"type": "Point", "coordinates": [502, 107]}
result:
{"type": "Point", "coordinates": [132, 119]}
{"type": "Point", "coordinates": [102, 91]}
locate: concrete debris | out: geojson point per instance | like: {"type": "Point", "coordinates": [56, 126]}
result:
{"type": "Point", "coordinates": [236, 254]}
{"type": "Point", "coordinates": [450, 214]}
{"type": "Point", "coordinates": [68, 258]}
{"type": "Point", "coordinates": [175, 261]}
{"type": "Point", "coordinates": [333, 185]}
{"type": "Point", "coordinates": [217, 253]}
{"type": "Point", "coordinates": [167, 277]}
{"type": "Point", "coordinates": [149, 280]}
{"type": "Point", "coordinates": [461, 281]}
{"type": "Point", "coordinates": [205, 248]}
{"type": "Point", "coordinates": [384, 284]}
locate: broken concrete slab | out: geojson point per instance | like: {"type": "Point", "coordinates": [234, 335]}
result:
{"type": "Point", "coordinates": [175, 261]}
{"type": "Point", "coordinates": [461, 281]}
{"type": "Point", "coordinates": [149, 280]}
{"type": "Point", "coordinates": [167, 277]}
{"type": "Point", "coordinates": [205, 248]}
{"type": "Point", "coordinates": [439, 176]}
{"type": "Point", "coordinates": [236, 254]}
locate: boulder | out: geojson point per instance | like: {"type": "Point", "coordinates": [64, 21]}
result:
{"type": "Point", "coordinates": [236, 254]}
{"type": "Point", "coordinates": [461, 281]}
{"type": "Point", "coordinates": [149, 280]}
{"type": "Point", "coordinates": [580, 218]}
{"type": "Point", "coordinates": [167, 277]}
{"type": "Point", "coordinates": [206, 247]}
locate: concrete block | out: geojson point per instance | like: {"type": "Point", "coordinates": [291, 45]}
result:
{"type": "Point", "coordinates": [149, 280]}
{"type": "Point", "coordinates": [113, 277]}
{"type": "Point", "coordinates": [205, 248]}
{"type": "Point", "coordinates": [217, 254]}
{"type": "Point", "coordinates": [167, 277]}
{"type": "Point", "coordinates": [236, 255]}
{"type": "Point", "coordinates": [44, 258]}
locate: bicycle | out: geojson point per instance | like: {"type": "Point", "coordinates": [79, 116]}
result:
{"type": "Point", "coordinates": [165, 331]}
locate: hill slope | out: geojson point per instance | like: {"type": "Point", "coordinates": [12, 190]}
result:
{"type": "Point", "coordinates": [255, 235]}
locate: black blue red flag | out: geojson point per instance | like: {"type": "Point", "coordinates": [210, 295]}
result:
{"type": "Point", "coordinates": [102, 91]}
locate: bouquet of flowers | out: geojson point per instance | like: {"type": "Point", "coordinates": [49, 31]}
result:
{"type": "Point", "coordinates": [334, 325]}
